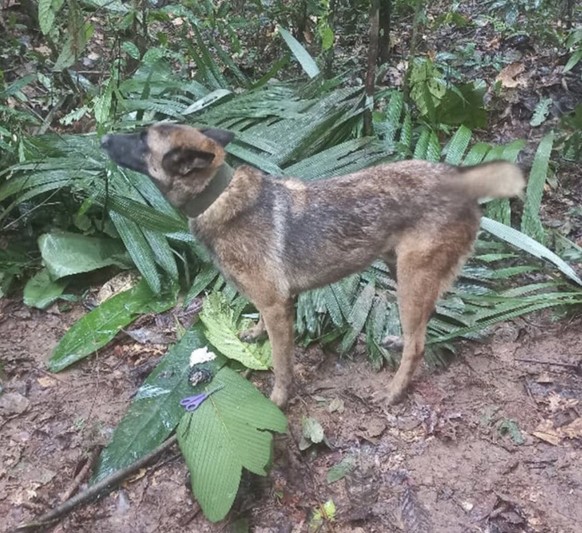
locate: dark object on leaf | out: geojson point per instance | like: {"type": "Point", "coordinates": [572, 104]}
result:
{"type": "Point", "coordinates": [199, 375]}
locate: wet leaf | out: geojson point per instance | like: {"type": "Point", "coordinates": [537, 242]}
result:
{"type": "Point", "coordinates": [100, 326]}
{"type": "Point", "coordinates": [510, 427]}
{"type": "Point", "coordinates": [155, 410]}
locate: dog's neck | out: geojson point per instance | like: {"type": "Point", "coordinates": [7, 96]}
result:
{"type": "Point", "coordinates": [201, 202]}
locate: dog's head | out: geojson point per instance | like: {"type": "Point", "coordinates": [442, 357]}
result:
{"type": "Point", "coordinates": [181, 160]}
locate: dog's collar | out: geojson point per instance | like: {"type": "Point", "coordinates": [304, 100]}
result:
{"type": "Point", "coordinates": [201, 202]}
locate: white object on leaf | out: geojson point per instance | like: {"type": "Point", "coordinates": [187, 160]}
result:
{"type": "Point", "coordinates": [201, 355]}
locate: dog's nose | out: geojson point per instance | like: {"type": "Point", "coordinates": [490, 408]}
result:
{"type": "Point", "coordinates": [105, 140]}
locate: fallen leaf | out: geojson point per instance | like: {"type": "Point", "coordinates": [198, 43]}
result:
{"type": "Point", "coordinates": [375, 427]}
{"type": "Point", "coordinates": [336, 405]}
{"type": "Point", "coordinates": [573, 430]}
{"type": "Point", "coordinates": [508, 75]}
{"type": "Point", "coordinates": [544, 377]}
{"type": "Point", "coordinates": [546, 432]}
{"type": "Point", "coordinates": [341, 469]}
{"type": "Point", "coordinates": [46, 381]}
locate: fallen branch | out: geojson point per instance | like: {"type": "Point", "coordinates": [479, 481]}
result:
{"type": "Point", "coordinates": [93, 491]}
{"type": "Point", "coordinates": [83, 473]}
{"type": "Point", "coordinates": [576, 367]}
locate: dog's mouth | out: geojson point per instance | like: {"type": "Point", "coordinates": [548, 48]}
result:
{"type": "Point", "coordinates": [128, 150]}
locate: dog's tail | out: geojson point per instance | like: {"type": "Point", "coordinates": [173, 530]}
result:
{"type": "Point", "coordinates": [497, 179]}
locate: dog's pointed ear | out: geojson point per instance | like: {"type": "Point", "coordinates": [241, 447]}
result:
{"type": "Point", "coordinates": [222, 137]}
{"type": "Point", "coordinates": [181, 161]}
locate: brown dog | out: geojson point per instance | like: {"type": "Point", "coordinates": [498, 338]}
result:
{"type": "Point", "coordinates": [274, 238]}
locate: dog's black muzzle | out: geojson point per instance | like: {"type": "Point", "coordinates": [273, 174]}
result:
{"type": "Point", "coordinates": [128, 150]}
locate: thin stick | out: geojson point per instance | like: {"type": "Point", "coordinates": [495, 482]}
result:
{"type": "Point", "coordinates": [551, 363]}
{"type": "Point", "coordinates": [83, 473]}
{"type": "Point", "coordinates": [95, 490]}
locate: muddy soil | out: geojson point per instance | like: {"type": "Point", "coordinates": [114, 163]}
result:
{"type": "Point", "coordinates": [491, 443]}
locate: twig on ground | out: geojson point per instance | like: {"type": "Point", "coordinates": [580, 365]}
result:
{"type": "Point", "coordinates": [82, 474]}
{"type": "Point", "coordinates": [576, 367]}
{"type": "Point", "coordinates": [95, 490]}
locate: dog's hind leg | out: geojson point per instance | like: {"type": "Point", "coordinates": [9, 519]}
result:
{"type": "Point", "coordinates": [425, 271]}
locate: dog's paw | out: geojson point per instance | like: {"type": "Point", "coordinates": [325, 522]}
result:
{"type": "Point", "coordinates": [279, 397]}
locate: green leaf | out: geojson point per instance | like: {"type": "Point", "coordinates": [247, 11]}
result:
{"type": "Point", "coordinates": [228, 432]}
{"type": "Point", "coordinates": [541, 112]}
{"type": "Point", "coordinates": [155, 410]}
{"type": "Point", "coordinates": [510, 427]}
{"type": "Point", "coordinates": [66, 254]}
{"type": "Point", "coordinates": [312, 430]}
{"type": "Point", "coordinates": [102, 103]}
{"type": "Point", "coordinates": [41, 291]}
{"type": "Point", "coordinates": [575, 58]}
{"type": "Point", "coordinates": [139, 249]}
{"type": "Point", "coordinates": [341, 469]}
{"type": "Point", "coordinates": [46, 15]}
{"type": "Point", "coordinates": [222, 332]}
{"type": "Point", "coordinates": [531, 224]}
{"type": "Point", "coordinates": [100, 326]}
{"type": "Point", "coordinates": [305, 60]}
{"type": "Point", "coordinates": [203, 279]}
{"type": "Point", "coordinates": [131, 49]}
{"type": "Point", "coordinates": [457, 145]}
{"type": "Point", "coordinates": [529, 245]}
{"type": "Point", "coordinates": [463, 104]}
{"type": "Point", "coordinates": [327, 37]}
{"type": "Point", "coordinates": [73, 47]}
{"type": "Point", "coordinates": [393, 114]}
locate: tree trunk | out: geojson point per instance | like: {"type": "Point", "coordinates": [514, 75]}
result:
{"type": "Point", "coordinates": [384, 36]}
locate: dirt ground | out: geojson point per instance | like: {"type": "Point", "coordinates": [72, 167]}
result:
{"type": "Point", "coordinates": [491, 443]}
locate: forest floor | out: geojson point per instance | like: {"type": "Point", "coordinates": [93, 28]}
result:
{"type": "Point", "coordinates": [491, 443]}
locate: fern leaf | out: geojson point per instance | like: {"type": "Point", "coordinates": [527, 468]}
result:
{"type": "Point", "coordinates": [531, 224]}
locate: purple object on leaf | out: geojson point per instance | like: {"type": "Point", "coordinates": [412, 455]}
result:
{"type": "Point", "coordinates": [191, 403]}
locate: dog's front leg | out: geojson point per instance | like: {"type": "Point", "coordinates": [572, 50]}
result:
{"type": "Point", "coordinates": [278, 319]}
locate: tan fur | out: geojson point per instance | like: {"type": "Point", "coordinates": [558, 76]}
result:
{"type": "Point", "coordinates": [274, 238]}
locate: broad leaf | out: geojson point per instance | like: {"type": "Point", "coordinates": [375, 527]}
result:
{"type": "Point", "coordinates": [66, 254]}
{"type": "Point", "coordinates": [222, 332]}
{"type": "Point", "coordinates": [529, 245]}
{"type": "Point", "coordinates": [41, 291]}
{"type": "Point", "coordinates": [228, 432]}
{"type": "Point", "coordinates": [100, 326]}
{"type": "Point", "coordinates": [306, 61]}
{"type": "Point", "coordinates": [531, 224]}
{"type": "Point", "coordinates": [155, 410]}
